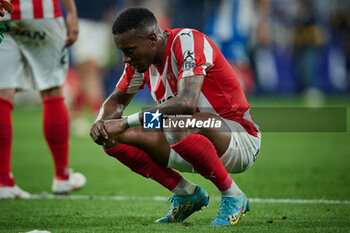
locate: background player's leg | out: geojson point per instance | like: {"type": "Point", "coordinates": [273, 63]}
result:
{"type": "Point", "coordinates": [92, 85]}
{"type": "Point", "coordinates": [8, 187]}
{"type": "Point", "coordinates": [56, 129]}
{"type": "Point", "coordinates": [6, 106]}
{"type": "Point", "coordinates": [12, 66]}
{"type": "Point", "coordinates": [56, 132]}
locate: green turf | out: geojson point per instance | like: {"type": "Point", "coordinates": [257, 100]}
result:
{"type": "Point", "coordinates": [138, 216]}
{"type": "Point", "coordinates": [290, 165]}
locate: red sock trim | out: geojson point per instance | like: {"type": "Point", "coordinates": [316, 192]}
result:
{"type": "Point", "coordinates": [47, 100]}
{"type": "Point", "coordinates": [7, 102]}
{"type": "Point", "coordinates": [183, 144]}
{"type": "Point", "coordinates": [111, 150]}
{"type": "Point", "coordinates": [6, 179]}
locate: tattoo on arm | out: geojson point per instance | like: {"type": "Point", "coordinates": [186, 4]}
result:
{"type": "Point", "coordinates": [186, 100]}
{"type": "Point", "coordinates": [191, 86]}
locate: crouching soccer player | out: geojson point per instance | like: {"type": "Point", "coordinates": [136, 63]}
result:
{"type": "Point", "coordinates": [186, 74]}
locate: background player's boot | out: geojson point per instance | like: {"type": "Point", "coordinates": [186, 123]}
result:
{"type": "Point", "coordinates": [184, 205]}
{"type": "Point", "coordinates": [231, 210]}
{"type": "Point", "coordinates": [75, 181]}
{"type": "Point", "coordinates": [11, 192]}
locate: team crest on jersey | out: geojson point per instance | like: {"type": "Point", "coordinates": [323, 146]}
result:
{"type": "Point", "coordinates": [188, 60]}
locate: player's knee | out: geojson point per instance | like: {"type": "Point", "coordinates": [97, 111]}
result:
{"type": "Point", "coordinates": [52, 92]}
{"type": "Point", "coordinates": [110, 143]}
{"type": "Point", "coordinates": [177, 129]}
{"type": "Point", "coordinates": [174, 134]}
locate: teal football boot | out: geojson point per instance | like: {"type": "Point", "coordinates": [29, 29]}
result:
{"type": "Point", "coordinates": [184, 205]}
{"type": "Point", "coordinates": [231, 210]}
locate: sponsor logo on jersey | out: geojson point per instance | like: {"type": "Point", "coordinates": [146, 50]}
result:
{"type": "Point", "coordinates": [30, 34]}
{"type": "Point", "coordinates": [186, 33]}
{"type": "Point", "coordinates": [188, 60]}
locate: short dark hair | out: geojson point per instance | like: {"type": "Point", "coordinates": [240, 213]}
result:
{"type": "Point", "coordinates": [133, 18]}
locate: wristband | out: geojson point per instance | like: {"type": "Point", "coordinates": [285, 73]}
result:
{"type": "Point", "coordinates": [133, 120]}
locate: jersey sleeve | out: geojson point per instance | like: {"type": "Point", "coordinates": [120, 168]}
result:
{"type": "Point", "coordinates": [131, 81]}
{"type": "Point", "coordinates": [192, 53]}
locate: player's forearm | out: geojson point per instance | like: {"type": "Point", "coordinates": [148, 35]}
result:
{"type": "Point", "coordinates": [114, 105]}
{"type": "Point", "coordinates": [110, 110]}
{"type": "Point", "coordinates": [69, 6]}
{"type": "Point", "coordinates": [185, 103]}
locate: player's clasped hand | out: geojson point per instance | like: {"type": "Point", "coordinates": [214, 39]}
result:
{"type": "Point", "coordinates": [116, 126]}
{"type": "Point", "coordinates": [104, 130]}
{"type": "Point", "coordinates": [98, 133]}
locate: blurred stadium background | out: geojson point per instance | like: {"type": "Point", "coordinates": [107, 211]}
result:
{"type": "Point", "coordinates": [279, 48]}
{"type": "Point", "coordinates": [287, 53]}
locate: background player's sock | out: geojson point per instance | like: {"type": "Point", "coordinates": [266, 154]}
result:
{"type": "Point", "coordinates": [233, 191]}
{"type": "Point", "coordinates": [200, 153]}
{"type": "Point", "coordinates": [184, 187]}
{"type": "Point", "coordinates": [96, 105]}
{"type": "Point", "coordinates": [6, 178]}
{"type": "Point", "coordinates": [140, 162]}
{"type": "Point", "coordinates": [56, 131]}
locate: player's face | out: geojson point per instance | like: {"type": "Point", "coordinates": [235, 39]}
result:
{"type": "Point", "coordinates": [138, 49]}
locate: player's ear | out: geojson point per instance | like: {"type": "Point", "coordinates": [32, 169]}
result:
{"type": "Point", "coordinates": [152, 38]}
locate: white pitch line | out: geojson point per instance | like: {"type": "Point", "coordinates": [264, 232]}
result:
{"type": "Point", "coordinates": [160, 198]}
{"type": "Point", "coordinates": [298, 201]}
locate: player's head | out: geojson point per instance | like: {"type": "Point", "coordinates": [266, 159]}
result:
{"type": "Point", "coordinates": [133, 19]}
{"type": "Point", "coordinates": [137, 34]}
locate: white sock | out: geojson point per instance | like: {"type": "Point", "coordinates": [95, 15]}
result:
{"type": "Point", "coordinates": [234, 191]}
{"type": "Point", "coordinates": [184, 187]}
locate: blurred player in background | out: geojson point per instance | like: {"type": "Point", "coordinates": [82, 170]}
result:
{"type": "Point", "coordinates": [186, 74]}
{"type": "Point", "coordinates": [34, 52]}
{"type": "Point", "coordinates": [90, 57]}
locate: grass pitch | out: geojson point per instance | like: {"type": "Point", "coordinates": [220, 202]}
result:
{"type": "Point", "coordinates": [303, 166]}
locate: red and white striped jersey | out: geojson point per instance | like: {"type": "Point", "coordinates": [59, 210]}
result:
{"type": "Point", "coordinates": [34, 9]}
{"type": "Point", "coordinates": [188, 53]}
